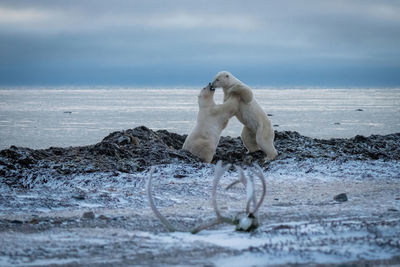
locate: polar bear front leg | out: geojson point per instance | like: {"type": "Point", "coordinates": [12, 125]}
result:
{"type": "Point", "coordinates": [242, 91]}
{"type": "Point", "coordinates": [249, 140]}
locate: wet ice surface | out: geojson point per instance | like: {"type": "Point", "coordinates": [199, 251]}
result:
{"type": "Point", "coordinates": [69, 116]}
{"type": "Point", "coordinates": [300, 221]}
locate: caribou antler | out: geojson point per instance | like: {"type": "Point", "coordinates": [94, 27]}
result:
{"type": "Point", "coordinates": [247, 223]}
{"type": "Point", "coordinates": [249, 185]}
{"type": "Point", "coordinates": [250, 221]}
{"type": "Point", "coordinates": [260, 175]}
{"type": "Point", "coordinates": [153, 207]}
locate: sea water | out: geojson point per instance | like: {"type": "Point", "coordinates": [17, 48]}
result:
{"type": "Point", "coordinates": [74, 116]}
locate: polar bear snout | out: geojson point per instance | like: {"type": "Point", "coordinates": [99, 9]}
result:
{"type": "Point", "coordinates": [209, 87]}
{"type": "Point", "coordinates": [212, 88]}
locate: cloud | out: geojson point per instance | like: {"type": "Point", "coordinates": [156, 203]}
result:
{"type": "Point", "coordinates": [25, 16]}
{"type": "Point", "coordinates": [199, 35]}
{"type": "Point", "coordinates": [187, 20]}
{"type": "Point", "coordinates": [73, 19]}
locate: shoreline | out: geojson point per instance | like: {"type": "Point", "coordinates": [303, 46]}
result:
{"type": "Point", "coordinates": [135, 149]}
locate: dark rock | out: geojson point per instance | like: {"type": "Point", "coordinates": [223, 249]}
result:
{"type": "Point", "coordinates": [360, 138]}
{"type": "Point", "coordinates": [248, 159]}
{"type": "Point", "coordinates": [341, 197]}
{"type": "Point", "coordinates": [180, 176]}
{"type": "Point", "coordinates": [123, 140]}
{"type": "Point", "coordinates": [79, 197]}
{"type": "Point", "coordinates": [103, 217]}
{"type": "Point", "coordinates": [34, 221]}
{"type": "Point", "coordinates": [57, 151]}
{"type": "Point", "coordinates": [283, 227]}
{"type": "Point", "coordinates": [25, 161]}
{"type": "Point", "coordinates": [89, 215]}
{"type": "Point", "coordinates": [359, 109]}
{"type": "Point", "coordinates": [172, 140]}
{"type": "Point", "coordinates": [57, 222]}
{"type": "Point", "coordinates": [134, 140]}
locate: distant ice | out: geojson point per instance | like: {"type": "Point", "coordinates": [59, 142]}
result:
{"type": "Point", "coordinates": [40, 118]}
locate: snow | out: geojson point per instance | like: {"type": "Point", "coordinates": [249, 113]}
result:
{"type": "Point", "coordinates": [299, 220]}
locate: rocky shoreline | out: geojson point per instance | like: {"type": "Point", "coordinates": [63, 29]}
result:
{"type": "Point", "coordinates": [136, 149]}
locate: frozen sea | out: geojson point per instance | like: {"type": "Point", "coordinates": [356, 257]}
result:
{"type": "Point", "coordinates": [72, 116]}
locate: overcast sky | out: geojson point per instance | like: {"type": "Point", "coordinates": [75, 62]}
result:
{"type": "Point", "coordinates": [184, 43]}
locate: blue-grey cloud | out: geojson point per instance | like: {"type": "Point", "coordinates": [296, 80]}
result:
{"type": "Point", "coordinates": [127, 42]}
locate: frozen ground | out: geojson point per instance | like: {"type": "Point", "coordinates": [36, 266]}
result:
{"type": "Point", "coordinates": [87, 205]}
{"type": "Point", "coordinates": [51, 223]}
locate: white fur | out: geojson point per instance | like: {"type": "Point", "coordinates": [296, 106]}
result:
{"type": "Point", "coordinates": [257, 131]}
{"type": "Point", "coordinates": [211, 120]}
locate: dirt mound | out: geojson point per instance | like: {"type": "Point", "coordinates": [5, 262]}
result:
{"type": "Point", "coordinates": [135, 149]}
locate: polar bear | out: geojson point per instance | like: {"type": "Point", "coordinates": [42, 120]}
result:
{"type": "Point", "coordinates": [257, 131]}
{"type": "Point", "coordinates": [211, 120]}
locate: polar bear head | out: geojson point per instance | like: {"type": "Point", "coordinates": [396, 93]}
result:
{"type": "Point", "coordinates": [224, 79]}
{"type": "Point", "coordinates": [206, 95]}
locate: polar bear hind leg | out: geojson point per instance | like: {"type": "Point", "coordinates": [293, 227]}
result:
{"type": "Point", "coordinates": [205, 151]}
{"type": "Point", "coordinates": [249, 140]}
{"type": "Point", "coordinates": [265, 139]}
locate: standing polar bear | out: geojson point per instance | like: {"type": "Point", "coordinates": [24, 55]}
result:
{"type": "Point", "coordinates": [211, 120]}
{"type": "Point", "coordinates": [257, 131]}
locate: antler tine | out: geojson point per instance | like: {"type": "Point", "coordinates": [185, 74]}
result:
{"type": "Point", "coordinates": [260, 175]}
{"type": "Point", "coordinates": [232, 184]}
{"type": "Point", "coordinates": [219, 171]}
{"type": "Point", "coordinates": [205, 226]}
{"type": "Point", "coordinates": [252, 189]}
{"type": "Point", "coordinates": [152, 205]}
{"type": "Point", "coordinates": [241, 179]}
{"type": "Point", "coordinates": [249, 184]}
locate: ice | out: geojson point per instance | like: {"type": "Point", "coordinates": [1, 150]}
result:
{"type": "Point", "coordinates": [36, 118]}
